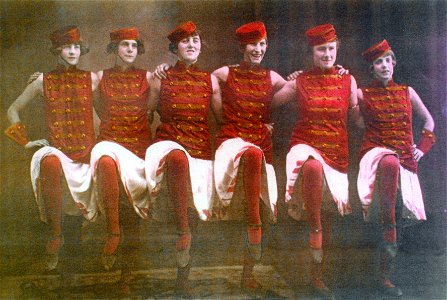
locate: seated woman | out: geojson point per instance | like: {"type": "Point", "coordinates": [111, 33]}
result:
{"type": "Point", "coordinates": [388, 155]}
{"type": "Point", "coordinates": [243, 162]}
{"type": "Point", "coordinates": [118, 158]}
{"type": "Point", "coordinates": [63, 160]}
{"type": "Point", "coordinates": [317, 162]}
{"type": "Point", "coordinates": [181, 155]}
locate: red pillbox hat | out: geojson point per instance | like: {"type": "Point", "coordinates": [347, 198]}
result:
{"type": "Point", "coordinates": [66, 35]}
{"type": "Point", "coordinates": [129, 33]}
{"type": "Point", "coordinates": [182, 31]}
{"type": "Point", "coordinates": [321, 34]}
{"type": "Point", "coordinates": [376, 51]}
{"type": "Point", "coordinates": [251, 32]}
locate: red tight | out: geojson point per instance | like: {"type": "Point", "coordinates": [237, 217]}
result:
{"type": "Point", "coordinates": [51, 187]}
{"type": "Point", "coordinates": [109, 193]}
{"type": "Point", "coordinates": [178, 181]}
{"type": "Point", "coordinates": [389, 177]}
{"type": "Point", "coordinates": [252, 159]}
{"type": "Point", "coordinates": [312, 188]}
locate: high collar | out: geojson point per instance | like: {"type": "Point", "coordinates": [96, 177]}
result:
{"type": "Point", "coordinates": [378, 83]}
{"type": "Point", "coordinates": [64, 68]}
{"type": "Point", "coordinates": [249, 66]}
{"type": "Point", "coordinates": [182, 66]}
{"type": "Point", "coordinates": [320, 71]}
{"type": "Point", "coordinates": [119, 68]}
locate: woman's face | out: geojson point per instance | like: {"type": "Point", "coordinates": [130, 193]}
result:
{"type": "Point", "coordinates": [188, 49]}
{"type": "Point", "coordinates": [71, 53]}
{"type": "Point", "coordinates": [383, 68]}
{"type": "Point", "coordinates": [127, 51]}
{"type": "Point", "coordinates": [254, 52]}
{"type": "Point", "coordinates": [324, 56]}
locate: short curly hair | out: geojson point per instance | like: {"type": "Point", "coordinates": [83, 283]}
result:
{"type": "Point", "coordinates": [57, 50]}
{"type": "Point", "coordinates": [112, 46]}
{"type": "Point", "coordinates": [174, 46]}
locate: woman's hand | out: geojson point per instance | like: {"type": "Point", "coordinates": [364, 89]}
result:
{"type": "Point", "coordinates": [160, 71]}
{"type": "Point", "coordinates": [37, 143]}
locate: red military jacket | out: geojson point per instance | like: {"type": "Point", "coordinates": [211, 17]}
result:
{"type": "Point", "coordinates": [123, 109]}
{"type": "Point", "coordinates": [69, 111]}
{"type": "Point", "coordinates": [246, 100]}
{"type": "Point", "coordinates": [323, 101]}
{"type": "Point", "coordinates": [184, 105]}
{"type": "Point", "coordinates": [388, 121]}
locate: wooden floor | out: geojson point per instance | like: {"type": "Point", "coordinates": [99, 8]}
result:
{"type": "Point", "coordinates": [216, 264]}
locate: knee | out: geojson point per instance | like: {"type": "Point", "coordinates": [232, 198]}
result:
{"type": "Point", "coordinates": [252, 154]}
{"type": "Point", "coordinates": [106, 163]}
{"type": "Point", "coordinates": [389, 164]}
{"type": "Point", "coordinates": [50, 163]}
{"type": "Point", "coordinates": [177, 159]}
{"type": "Point", "coordinates": [313, 166]}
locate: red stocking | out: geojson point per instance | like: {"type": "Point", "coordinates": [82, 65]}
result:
{"type": "Point", "coordinates": [312, 187]}
{"type": "Point", "coordinates": [178, 185]}
{"type": "Point", "coordinates": [252, 159]}
{"type": "Point", "coordinates": [50, 181]}
{"type": "Point", "coordinates": [109, 193]}
{"type": "Point", "coordinates": [389, 177]}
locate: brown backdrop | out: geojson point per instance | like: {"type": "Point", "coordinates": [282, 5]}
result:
{"type": "Point", "coordinates": [415, 29]}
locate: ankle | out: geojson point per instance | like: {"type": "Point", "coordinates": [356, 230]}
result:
{"type": "Point", "coordinates": [254, 233]}
{"type": "Point", "coordinates": [183, 241]}
{"type": "Point", "coordinates": [53, 244]}
{"type": "Point", "coordinates": [111, 243]}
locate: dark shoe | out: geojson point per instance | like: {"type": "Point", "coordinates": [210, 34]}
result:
{"type": "Point", "coordinates": [123, 285]}
{"type": "Point", "coordinates": [108, 258]}
{"type": "Point", "coordinates": [320, 290]}
{"type": "Point", "coordinates": [52, 250]}
{"type": "Point", "coordinates": [387, 266]}
{"type": "Point", "coordinates": [389, 289]}
{"type": "Point", "coordinates": [250, 286]}
{"type": "Point", "coordinates": [183, 256]}
{"type": "Point", "coordinates": [182, 288]}
{"type": "Point", "coordinates": [253, 250]}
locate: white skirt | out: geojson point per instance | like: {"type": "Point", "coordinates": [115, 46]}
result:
{"type": "Point", "coordinates": [79, 196]}
{"type": "Point", "coordinates": [409, 185]}
{"type": "Point", "coordinates": [131, 171]}
{"type": "Point", "coordinates": [335, 185]}
{"type": "Point", "coordinates": [226, 166]}
{"type": "Point", "coordinates": [200, 173]}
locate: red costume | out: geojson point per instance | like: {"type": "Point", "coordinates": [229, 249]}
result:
{"type": "Point", "coordinates": [123, 110]}
{"type": "Point", "coordinates": [387, 154]}
{"type": "Point", "coordinates": [184, 107]}
{"type": "Point", "coordinates": [323, 101]}
{"type": "Point", "coordinates": [388, 121]}
{"type": "Point", "coordinates": [67, 93]}
{"type": "Point", "coordinates": [246, 99]}
{"type": "Point", "coordinates": [69, 111]}
{"type": "Point", "coordinates": [119, 155]}
{"type": "Point", "coordinates": [245, 137]}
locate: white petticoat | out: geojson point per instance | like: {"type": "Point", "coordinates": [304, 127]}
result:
{"type": "Point", "coordinates": [200, 173]}
{"type": "Point", "coordinates": [79, 196]}
{"type": "Point", "coordinates": [336, 185]}
{"type": "Point", "coordinates": [226, 165]}
{"type": "Point", "coordinates": [409, 185]}
{"type": "Point", "coordinates": [131, 171]}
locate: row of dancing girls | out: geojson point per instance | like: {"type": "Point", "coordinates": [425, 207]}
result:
{"type": "Point", "coordinates": [245, 141]}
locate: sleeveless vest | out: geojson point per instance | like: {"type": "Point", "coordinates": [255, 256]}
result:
{"type": "Point", "coordinates": [124, 108]}
{"type": "Point", "coordinates": [388, 121]}
{"type": "Point", "coordinates": [323, 101]}
{"type": "Point", "coordinates": [69, 111]}
{"type": "Point", "coordinates": [246, 100]}
{"type": "Point", "coordinates": [184, 105]}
